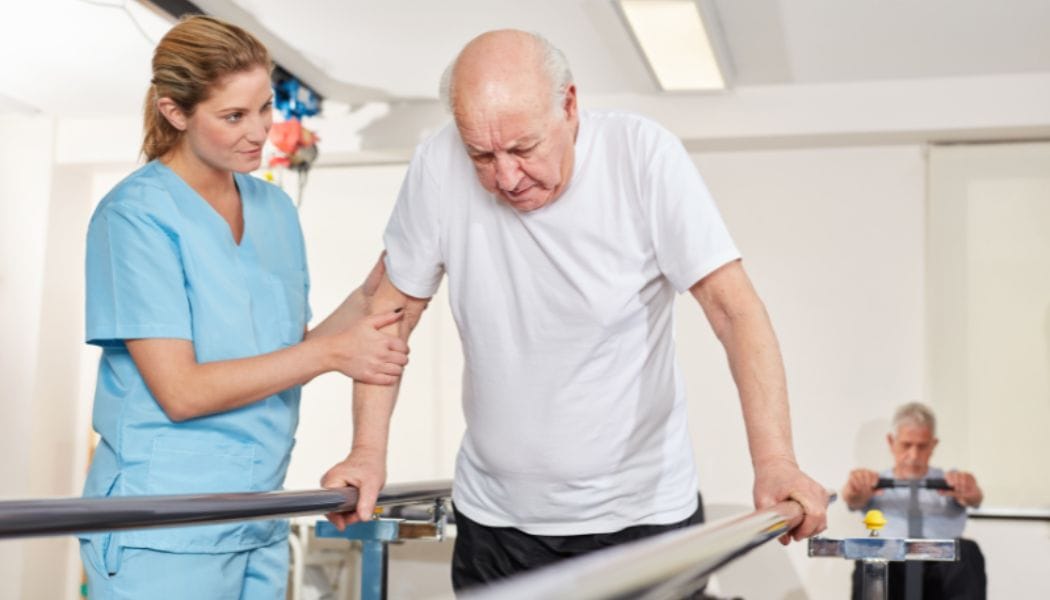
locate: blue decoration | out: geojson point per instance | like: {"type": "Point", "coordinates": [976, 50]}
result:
{"type": "Point", "coordinates": [295, 100]}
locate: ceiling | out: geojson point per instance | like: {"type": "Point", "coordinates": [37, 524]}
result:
{"type": "Point", "coordinates": [74, 58]}
{"type": "Point", "coordinates": [402, 46]}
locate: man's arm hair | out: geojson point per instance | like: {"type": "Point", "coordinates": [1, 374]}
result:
{"type": "Point", "coordinates": [740, 322]}
{"type": "Point", "coordinates": [373, 404]}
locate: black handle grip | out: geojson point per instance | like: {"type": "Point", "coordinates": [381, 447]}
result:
{"type": "Point", "coordinates": [930, 484]}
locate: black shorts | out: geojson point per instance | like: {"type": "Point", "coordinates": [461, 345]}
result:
{"type": "Point", "coordinates": [483, 554]}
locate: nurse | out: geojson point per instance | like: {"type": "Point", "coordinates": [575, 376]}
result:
{"type": "Point", "coordinates": [197, 294]}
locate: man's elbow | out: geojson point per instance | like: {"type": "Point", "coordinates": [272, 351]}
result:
{"type": "Point", "coordinates": [390, 298]}
{"type": "Point", "coordinates": [414, 308]}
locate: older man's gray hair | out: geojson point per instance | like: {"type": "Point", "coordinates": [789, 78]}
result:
{"type": "Point", "coordinates": [914, 414]}
{"type": "Point", "coordinates": [554, 64]}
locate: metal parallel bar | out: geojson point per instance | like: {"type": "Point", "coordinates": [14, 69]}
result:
{"type": "Point", "coordinates": [1011, 514]}
{"type": "Point", "coordinates": [649, 568]}
{"type": "Point", "coordinates": [67, 516]}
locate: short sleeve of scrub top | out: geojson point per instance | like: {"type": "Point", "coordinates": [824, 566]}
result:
{"type": "Point", "coordinates": [135, 276]}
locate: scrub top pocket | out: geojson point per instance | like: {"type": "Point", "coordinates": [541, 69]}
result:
{"type": "Point", "coordinates": [187, 465]}
{"type": "Point", "coordinates": [198, 464]}
{"type": "Point", "coordinates": [288, 320]}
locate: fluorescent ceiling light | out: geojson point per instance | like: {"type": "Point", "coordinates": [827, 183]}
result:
{"type": "Point", "coordinates": [673, 37]}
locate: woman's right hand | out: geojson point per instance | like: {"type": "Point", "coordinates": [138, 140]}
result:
{"type": "Point", "coordinates": [367, 354]}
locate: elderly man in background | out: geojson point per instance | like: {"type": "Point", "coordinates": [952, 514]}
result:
{"type": "Point", "coordinates": [565, 235]}
{"type": "Point", "coordinates": [912, 441]}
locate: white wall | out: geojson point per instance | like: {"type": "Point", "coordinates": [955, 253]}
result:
{"type": "Point", "coordinates": [25, 189]}
{"type": "Point", "coordinates": [989, 277]}
{"type": "Point", "coordinates": [48, 187]}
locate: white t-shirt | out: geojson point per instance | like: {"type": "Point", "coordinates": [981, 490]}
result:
{"type": "Point", "coordinates": [574, 404]}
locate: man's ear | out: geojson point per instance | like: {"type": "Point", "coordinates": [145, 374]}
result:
{"type": "Point", "coordinates": [172, 113]}
{"type": "Point", "coordinates": [889, 440]}
{"type": "Point", "coordinates": [569, 105]}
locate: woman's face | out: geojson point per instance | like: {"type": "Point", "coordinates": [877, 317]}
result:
{"type": "Point", "coordinates": [227, 131]}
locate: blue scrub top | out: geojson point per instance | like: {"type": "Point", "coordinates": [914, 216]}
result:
{"type": "Point", "coordinates": [162, 263]}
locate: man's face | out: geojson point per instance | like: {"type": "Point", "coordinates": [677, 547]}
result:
{"type": "Point", "coordinates": [911, 447]}
{"type": "Point", "coordinates": [522, 152]}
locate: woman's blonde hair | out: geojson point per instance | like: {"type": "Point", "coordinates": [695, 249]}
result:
{"type": "Point", "coordinates": [188, 61]}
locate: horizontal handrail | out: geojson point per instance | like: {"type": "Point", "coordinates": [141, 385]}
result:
{"type": "Point", "coordinates": [67, 516]}
{"type": "Point", "coordinates": [665, 566]}
{"type": "Point", "coordinates": [1005, 513]}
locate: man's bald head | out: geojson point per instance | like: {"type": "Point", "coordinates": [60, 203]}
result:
{"type": "Point", "coordinates": [514, 103]}
{"type": "Point", "coordinates": [508, 68]}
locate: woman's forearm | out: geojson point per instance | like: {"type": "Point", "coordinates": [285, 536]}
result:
{"type": "Point", "coordinates": [186, 389]}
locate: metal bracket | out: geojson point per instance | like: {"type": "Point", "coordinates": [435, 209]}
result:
{"type": "Point", "coordinates": [876, 553]}
{"type": "Point", "coordinates": [375, 537]}
{"type": "Point", "coordinates": [889, 549]}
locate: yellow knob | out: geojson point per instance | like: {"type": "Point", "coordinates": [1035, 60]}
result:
{"type": "Point", "coordinates": [874, 520]}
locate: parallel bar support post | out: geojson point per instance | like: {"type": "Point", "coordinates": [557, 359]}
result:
{"type": "Point", "coordinates": [374, 536]}
{"type": "Point", "coordinates": [874, 580]}
{"type": "Point", "coordinates": [913, 569]}
{"type": "Point", "coordinates": [374, 562]}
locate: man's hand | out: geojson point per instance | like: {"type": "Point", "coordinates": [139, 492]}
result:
{"type": "Point", "coordinates": [365, 470]}
{"type": "Point", "coordinates": [860, 488]}
{"type": "Point", "coordinates": [781, 479]}
{"type": "Point", "coordinates": [964, 488]}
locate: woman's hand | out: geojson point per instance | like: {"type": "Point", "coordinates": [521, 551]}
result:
{"type": "Point", "coordinates": [365, 353]}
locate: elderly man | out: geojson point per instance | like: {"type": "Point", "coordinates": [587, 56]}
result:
{"type": "Point", "coordinates": [565, 235]}
{"type": "Point", "coordinates": [943, 512]}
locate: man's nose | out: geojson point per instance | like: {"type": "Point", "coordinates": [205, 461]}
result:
{"type": "Point", "coordinates": [508, 174]}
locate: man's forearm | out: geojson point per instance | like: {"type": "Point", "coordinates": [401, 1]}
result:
{"type": "Point", "coordinates": [739, 319]}
{"type": "Point", "coordinates": [758, 371]}
{"type": "Point", "coordinates": [373, 406]}
{"type": "Point", "coordinates": [757, 368]}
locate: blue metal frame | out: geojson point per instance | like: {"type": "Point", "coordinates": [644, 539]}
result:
{"type": "Point", "coordinates": [374, 536]}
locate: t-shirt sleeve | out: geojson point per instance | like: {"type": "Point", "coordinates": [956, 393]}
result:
{"type": "Point", "coordinates": [689, 235]}
{"type": "Point", "coordinates": [135, 283]}
{"type": "Point", "coordinates": [412, 239]}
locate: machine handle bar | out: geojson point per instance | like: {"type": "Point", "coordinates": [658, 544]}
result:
{"type": "Point", "coordinates": [929, 484]}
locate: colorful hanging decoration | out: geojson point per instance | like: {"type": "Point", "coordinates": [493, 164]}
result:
{"type": "Point", "coordinates": [296, 146]}
{"type": "Point", "coordinates": [295, 100]}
